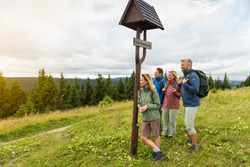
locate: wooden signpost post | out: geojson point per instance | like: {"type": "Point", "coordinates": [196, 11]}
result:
{"type": "Point", "coordinates": [139, 16]}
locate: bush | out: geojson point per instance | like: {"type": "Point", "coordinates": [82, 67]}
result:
{"type": "Point", "coordinates": [106, 101]}
{"type": "Point", "coordinates": [26, 109]}
{"type": "Point", "coordinates": [214, 90]}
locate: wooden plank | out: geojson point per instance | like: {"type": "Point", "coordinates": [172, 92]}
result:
{"type": "Point", "coordinates": [142, 43]}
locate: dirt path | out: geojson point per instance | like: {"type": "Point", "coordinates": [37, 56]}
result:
{"type": "Point", "coordinates": [52, 131]}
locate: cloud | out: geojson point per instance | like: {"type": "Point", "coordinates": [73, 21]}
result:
{"type": "Point", "coordinates": [81, 38]}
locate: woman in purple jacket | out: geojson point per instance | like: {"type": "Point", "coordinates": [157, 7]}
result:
{"type": "Point", "coordinates": [171, 105]}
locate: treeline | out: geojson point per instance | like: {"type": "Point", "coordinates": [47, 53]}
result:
{"type": "Point", "coordinates": [218, 84]}
{"type": "Point", "coordinates": [48, 96]}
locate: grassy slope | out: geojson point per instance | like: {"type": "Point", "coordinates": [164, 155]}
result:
{"type": "Point", "coordinates": [102, 137]}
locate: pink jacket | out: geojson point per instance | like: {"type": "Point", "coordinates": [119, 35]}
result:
{"type": "Point", "coordinates": [171, 99]}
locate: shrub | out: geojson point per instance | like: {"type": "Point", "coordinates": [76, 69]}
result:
{"type": "Point", "coordinates": [214, 90]}
{"type": "Point", "coordinates": [106, 101]}
{"type": "Point", "coordinates": [25, 109]}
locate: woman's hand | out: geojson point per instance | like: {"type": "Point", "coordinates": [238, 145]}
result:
{"type": "Point", "coordinates": [174, 90]}
{"type": "Point", "coordinates": [144, 108]}
{"type": "Point", "coordinates": [180, 81]}
{"type": "Point", "coordinates": [164, 89]}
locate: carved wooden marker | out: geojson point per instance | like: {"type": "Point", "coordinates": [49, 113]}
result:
{"type": "Point", "coordinates": [139, 16]}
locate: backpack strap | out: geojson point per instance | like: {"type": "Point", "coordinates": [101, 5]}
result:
{"type": "Point", "coordinates": [161, 83]}
{"type": "Point", "coordinates": [166, 86]}
{"type": "Point", "coordinates": [174, 88]}
{"type": "Point", "coordinates": [151, 95]}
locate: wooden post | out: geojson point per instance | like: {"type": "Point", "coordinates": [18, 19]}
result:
{"type": "Point", "coordinates": [139, 14]}
{"type": "Point", "coordinates": [135, 124]}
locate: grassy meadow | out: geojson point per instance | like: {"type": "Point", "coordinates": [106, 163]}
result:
{"type": "Point", "coordinates": [101, 136]}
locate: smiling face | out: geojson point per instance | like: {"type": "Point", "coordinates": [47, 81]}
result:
{"type": "Point", "coordinates": [157, 74]}
{"type": "Point", "coordinates": [171, 77]}
{"type": "Point", "coordinates": [143, 82]}
{"type": "Point", "coordinates": [185, 66]}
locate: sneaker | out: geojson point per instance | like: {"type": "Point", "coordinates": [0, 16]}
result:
{"type": "Point", "coordinates": [187, 142]}
{"type": "Point", "coordinates": [153, 155]}
{"type": "Point", "coordinates": [170, 137]}
{"type": "Point", "coordinates": [193, 149]}
{"type": "Point", "coordinates": [159, 156]}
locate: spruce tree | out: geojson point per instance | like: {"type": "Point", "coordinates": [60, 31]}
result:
{"type": "Point", "coordinates": [120, 88]}
{"type": "Point", "coordinates": [17, 97]}
{"type": "Point", "coordinates": [109, 87]}
{"type": "Point", "coordinates": [61, 92]}
{"type": "Point", "coordinates": [131, 86]}
{"type": "Point", "coordinates": [225, 84]}
{"type": "Point", "coordinates": [89, 92]}
{"type": "Point", "coordinates": [82, 95]}
{"type": "Point", "coordinates": [4, 97]}
{"type": "Point", "coordinates": [165, 76]}
{"type": "Point", "coordinates": [217, 83]}
{"type": "Point", "coordinates": [44, 96]}
{"type": "Point", "coordinates": [66, 97]}
{"type": "Point", "coordinates": [210, 82]}
{"type": "Point", "coordinates": [115, 94]}
{"type": "Point", "coordinates": [74, 97]}
{"type": "Point", "coordinates": [98, 93]}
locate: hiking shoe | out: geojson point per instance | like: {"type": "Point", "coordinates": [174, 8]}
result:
{"type": "Point", "coordinates": [193, 149]}
{"type": "Point", "coordinates": [187, 142]}
{"type": "Point", "coordinates": [159, 156]}
{"type": "Point", "coordinates": [153, 155]}
{"type": "Point", "coordinates": [170, 137]}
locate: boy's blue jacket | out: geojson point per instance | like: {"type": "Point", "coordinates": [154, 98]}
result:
{"type": "Point", "coordinates": [158, 87]}
{"type": "Point", "coordinates": [190, 89]}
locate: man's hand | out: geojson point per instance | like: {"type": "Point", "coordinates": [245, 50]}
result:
{"type": "Point", "coordinates": [185, 80]}
{"type": "Point", "coordinates": [180, 81]}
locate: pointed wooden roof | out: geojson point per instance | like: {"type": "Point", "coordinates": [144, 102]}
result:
{"type": "Point", "coordinates": [140, 12]}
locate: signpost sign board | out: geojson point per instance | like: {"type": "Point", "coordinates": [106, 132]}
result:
{"type": "Point", "coordinates": [142, 43]}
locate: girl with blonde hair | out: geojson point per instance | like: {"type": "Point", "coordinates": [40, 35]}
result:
{"type": "Point", "coordinates": [171, 105]}
{"type": "Point", "coordinates": [148, 104]}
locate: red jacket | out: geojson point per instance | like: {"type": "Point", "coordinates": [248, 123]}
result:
{"type": "Point", "coordinates": [171, 99]}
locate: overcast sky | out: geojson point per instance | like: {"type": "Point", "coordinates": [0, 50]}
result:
{"type": "Point", "coordinates": [82, 38]}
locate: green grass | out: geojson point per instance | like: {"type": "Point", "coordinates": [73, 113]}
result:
{"type": "Point", "coordinates": [101, 137]}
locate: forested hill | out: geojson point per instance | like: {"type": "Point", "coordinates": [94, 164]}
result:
{"type": "Point", "coordinates": [29, 82]}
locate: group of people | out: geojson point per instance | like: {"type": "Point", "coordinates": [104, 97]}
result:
{"type": "Point", "coordinates": [160, 98]}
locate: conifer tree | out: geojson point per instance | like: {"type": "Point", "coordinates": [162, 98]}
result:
{"type": "Point", "coordinates": [210, 82]}
{"type": "Point", "coordinates": [115, 94]}
{"type": "Point", "coordinates": [89, 92]}
{"type": "Point", "coordinates": [98, 93]}
{"type": "Point", "coordinates": [225, 84]}
{"type": "Point", "coordinates": [17, 97]}
{"type": "Point", "coordinates": [109, 87]}
{"type": "Point", "coordinates": [217, 83]}
{"type": "Point", "coordinates": [246, 82]}
{"type": "Point", "coordinates": [74, 97]}
{"type": "Point", "coordinates": [82, 95]}
{"type": "Point", "coordinates": [62, 92]}
{"type": "Point", "coordinates": [120, 88]}
{"type": "Point", "coordinates": [165, 77]}
{"type": "Point", "coordinates": [131, 86]}
{"type": "Point", "coordinates": [66, 97]}
{"type": "Point", "coordinates": [4, 97]}
{"type": "Point", "coordinates": [44, 96]}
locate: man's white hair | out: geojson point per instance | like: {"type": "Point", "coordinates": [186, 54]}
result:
{"type": "Point", "coordinates": [189, 61]}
